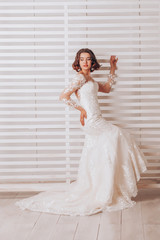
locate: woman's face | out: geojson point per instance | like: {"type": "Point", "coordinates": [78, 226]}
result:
{"type": "Point", "coordinates": [85, 61]}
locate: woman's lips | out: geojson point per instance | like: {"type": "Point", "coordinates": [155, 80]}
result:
{"type": "Point", "coordinates": [85, 65]}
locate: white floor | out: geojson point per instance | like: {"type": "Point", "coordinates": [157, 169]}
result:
{"type": "Point", "coordinates": [142, 222]}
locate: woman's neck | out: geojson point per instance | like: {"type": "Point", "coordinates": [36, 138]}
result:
{"type": "Point", "coordinates": [85, 73]}
{"type": "Point", "coordinates": [87, 77]}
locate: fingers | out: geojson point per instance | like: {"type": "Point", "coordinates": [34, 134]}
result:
{"type": "Point", "coordinates": [82, 116]}
{"type": "Point", "coordinates": [82, 120]}
{"type": "Point", "coordinates": [113, 58]}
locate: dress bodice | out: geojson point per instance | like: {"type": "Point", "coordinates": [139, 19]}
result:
{"type": "Point", "coordinates": [89, 100]}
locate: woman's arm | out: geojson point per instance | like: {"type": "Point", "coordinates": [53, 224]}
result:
{"type": "Point", "coordinates": [71, 88]}
{"type": "Point", "coordinates": [106, 86]}
{"type": "Point", "coordinates": [76, 83]}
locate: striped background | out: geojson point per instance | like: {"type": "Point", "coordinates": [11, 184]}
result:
{"type": "Point", "coordinates": [40, 137]}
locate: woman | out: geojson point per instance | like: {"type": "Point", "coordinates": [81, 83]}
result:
{"type": "Point", "coordinates": [111, 161]}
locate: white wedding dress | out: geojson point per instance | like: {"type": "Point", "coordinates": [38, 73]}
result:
{"type": "Point", "coordinates": [109, 168]}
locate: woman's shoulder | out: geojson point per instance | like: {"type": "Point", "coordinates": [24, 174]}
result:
{"type": "Point", "coordinates": [78, 77]}
{"type": "Point", "coordinates": [80, 74]}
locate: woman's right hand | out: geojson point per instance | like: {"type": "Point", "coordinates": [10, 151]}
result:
{"type": "Point", "coordinates": [82, 116]}
{"type": "Point", "coordinates": [113, 62]}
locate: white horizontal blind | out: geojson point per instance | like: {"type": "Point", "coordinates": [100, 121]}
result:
{"type": "Point", "coordinates": [40, 139]}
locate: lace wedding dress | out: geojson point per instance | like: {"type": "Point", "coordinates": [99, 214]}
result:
{"type": "Point", "coordinates": [109, 168]}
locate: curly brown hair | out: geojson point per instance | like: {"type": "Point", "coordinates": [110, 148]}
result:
{"type": "Point", "coordinates": [94, 65]}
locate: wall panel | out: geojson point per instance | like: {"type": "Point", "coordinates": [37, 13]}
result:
{"type": "Point", "coordinates": [40, 137]}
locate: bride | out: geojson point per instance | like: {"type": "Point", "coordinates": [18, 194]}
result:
{"type": "Point", "coordinates": [111, 161]}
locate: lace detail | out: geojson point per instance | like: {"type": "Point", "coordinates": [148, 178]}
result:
{"type": "Point", "coordinates": [76, 83]}
{"type": "Point", "coordinates": [109, 168]}
{"type": "Point", "coordinates": [108, 84]}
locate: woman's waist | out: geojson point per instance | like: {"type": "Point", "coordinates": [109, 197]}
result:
{"type": "Point", "coordinates": [94, 124]}
{"type": "Point", "coordinates": [93, 119]}
{"type": "Point", "coordinates": [93, 112]}
{"type": "Point", "coordinates": [93, 115]}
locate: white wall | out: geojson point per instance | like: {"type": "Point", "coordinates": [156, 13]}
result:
{"type": "Point", "coordinates": [40, 138]}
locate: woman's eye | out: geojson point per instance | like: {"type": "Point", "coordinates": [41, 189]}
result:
{"type": "Point", "coordinates": [88, 59]}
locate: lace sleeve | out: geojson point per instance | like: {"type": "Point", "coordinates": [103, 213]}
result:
{"type": "Point", "coordinates": [75, 84]}
{"type": "Point", "coordinates": [106, 86]}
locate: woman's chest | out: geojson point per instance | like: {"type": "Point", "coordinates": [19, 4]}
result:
{"type": "Point", "coordinates": [89, 88]}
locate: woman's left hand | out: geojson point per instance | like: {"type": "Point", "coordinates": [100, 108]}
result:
{"type": "Point", "coordinates": [113, 62]}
